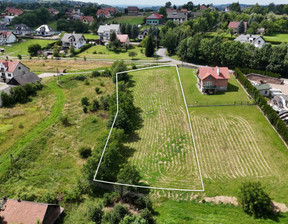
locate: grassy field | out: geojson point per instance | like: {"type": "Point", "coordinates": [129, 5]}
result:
{"type": "Point", "coordinates": [49, 65]}
{"type": "Point", "coordinates": [101, 52]}
{"type": "Point", "coordinates": [278, 37]}
{"type": "Point", "coordinates": [52, 24]}
{"type": "Point", "coordinates": [127, 19]}
{"type": "Point", "coordinates": [195, 97]}
{"type": "Point", "coordinates": [51, 162]}
{"type": "Point", "coordinates": [90, 36]}
{"type": "Point", "coordinates": [213, 34]}
{"type": "Point", "coordinates": [164, 148]}
{"type": "Point", "coordinates": [22, 47]}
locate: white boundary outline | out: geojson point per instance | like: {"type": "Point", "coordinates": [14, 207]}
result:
{"type": "Point", "coordinates": [190, 126]}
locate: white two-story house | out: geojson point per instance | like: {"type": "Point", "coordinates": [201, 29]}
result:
{"type": "Point", "coordinates": [77, 40]}
{"type": "Point", "coordinates": [105, 31]}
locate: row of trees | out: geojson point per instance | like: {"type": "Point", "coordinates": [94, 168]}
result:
{"type": "Point", "coordinates": [131, 30]}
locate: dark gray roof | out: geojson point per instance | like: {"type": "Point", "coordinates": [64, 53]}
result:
{"type": "Point", "coordinates": [246, 38]}
{"type": "Point", "coordinates": [3, 27]}
{"type": "Point", "coordinates": [178, 15]}
{"type": "Point", "coordinates": [22, 27]}
{"type": "Point", "coordinates": [67, 36]}
{"type": "Point", "coordinates": [29, 77]}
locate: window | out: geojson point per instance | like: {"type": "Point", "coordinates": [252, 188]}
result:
{"type": "Point", "coordinates": [19, 68]}
{"type": "Point", "coordinates": [207, 83]}
{"type": "Point", "coordinates": [9, 75]}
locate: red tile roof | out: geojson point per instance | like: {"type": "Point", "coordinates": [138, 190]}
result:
{"type": "Point", "coordinates": [105, 11]}
{"type": "Point", "coordinates": [235, 25]}
{"type": "Point", "coordinates": [6, 34]}
{"type": "Point", "coordinates": [215, 72]}
{"type": "Point", "coordinates": [88, 18]}
{"type": "Point", "coordinates": [155, 16]}
{"type": "Point", "coordinates": [27, 212]}
{"type": "Point", "coordinates": [123, 37]}
{"type": "Point", "coordinates": [203, 7]}
{"type": "Point", "coordinates": [184, 10]}
{"type": "Point", "coordinates": [14, 11]}
{"type": "Point", "coordinates": [10, 65]}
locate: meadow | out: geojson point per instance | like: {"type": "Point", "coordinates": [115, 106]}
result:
{"type": "Point", "coordinates": [277, 37]}
{"type": "Point", "coordinates": [127, 19]}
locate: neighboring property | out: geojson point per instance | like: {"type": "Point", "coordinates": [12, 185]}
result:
{"type": "Point", "coordinates": [256, 40]}
{"type": "Point", "coordinates": [53, 11]}
{"type": "Point", "coordinates": [203, 7]}
{"type": "Point", "coordinates": [154, 19]}
{"type": "Point", "coordinates": [133, 11]}
{"type": "Point", "coordinates": [170, 10]}
{"type": "Point", "coordinates": [104, 31]}
{"type": "Point", "coordinates": [212, 79]}
{"type": "Point", "coordinates": [45, 30]}
{"type": "Point", "coordinates": [7, 37]}
{"type": "Point", "coordinates": [87, 19]}
{"type": "Point", "coordinates": [15, 73]}
{"type": "Point", "coordinates": [7, 20]}
{"type": "Point", "coordinates": [234, 25]}
{"type": "Point", "coordinates": [3, 27]}
{"type": "Point", "coordinates": [22, 30]}
{"type": "Point", "coordinates": [264, 89]}
{"type": "Point", "coordinates": [13, 11]}
{"type": "Point", "coordinates": [107, 12]}
{"type": "Point", "coordinates": [142, 34]}
{"type": "Point", "coordinates": [77, 40]}
{"type": "Point", "coordinates": [5, 88]}
{"type": "Point", "coordinates": [17, 211]}
{"type": "Point", "coordinates": [178, 17]}
{"type": "Point", "coordinates": [124, 39]}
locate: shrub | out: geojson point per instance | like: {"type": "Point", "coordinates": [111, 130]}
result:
{"type": "Point", "coordinates": [110, 198]}
{"type": "Point", "coordinates": [72, 195]}
{"type": "Point", "coordinates": [84, 58]}
{"type": "Point", "coordinates": [85, 101]}
{"type": "Point", "coordinates": [20, 125]}
{"type": "Point", "coordinates": [79, 77]}
{"type": "Point", "coordinates": [64, 120]}
{"type": "Point", "coordinates": [30, 89]}
{"type": "Point", "coordinates": [254, 200]}
{"type": "Point", "coordinates": [95, 74]}
{"type": "Point", "coordinates": [95, 105]}
{"type": "Point", "coordinates": [97, 90]}
{"type": "Point", "coordinates": [134, 66]}
{"type": "Point", "coordinates": [95, 213]}
{"type": "Point", "coordinates": [7, 100]}
{"type": "Point", "coordinates": [19, 56]}
{"type": "Point", "coordinates": [84, 152]}
{"type": "Point", "coordinates": [33, 49]}
{"type": "Point", "coordinates": [94, 52]}
{"type": "Point", "coordinates": [19, 94]}
{"type": "Point", "coordinates": [101, 83]}
{"type": "Point", "coordinates": [85, 109]}
{"type": "Point", "coordinates": [106, 73]}
{"type": "Point", "coordinates": [147, 215]}
{"type": "Point", "coordinates": [86, 82]}
{"type": "Point", "coordinates": [104, 102]}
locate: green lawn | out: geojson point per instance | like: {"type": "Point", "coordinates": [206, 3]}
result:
{"type": "Point", "coordinates": [22, 47]}
{"type": "Point", "coordinates": [127, 19]}
{"type": "Point", "coordinates": [278, 37]}
{"type": "Point", "coordinates": [190, 212]}
{"type": "Point", "coordinates": [213, 34]}
{"type": "Point", "coordinates": [101, 52]}
{"type": "Point", "coordinates": [189, 79]}
{"type": "Point", "coordinates": [91, 36]}
{"type": "Point", "coordinates": [52, 24]}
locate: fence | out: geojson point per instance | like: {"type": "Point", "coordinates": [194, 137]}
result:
{"type": "Point", "coordinates": [236, 103]}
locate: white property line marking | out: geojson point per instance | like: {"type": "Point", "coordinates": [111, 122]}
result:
{"type": "Point", "coordinates": [192, 135]}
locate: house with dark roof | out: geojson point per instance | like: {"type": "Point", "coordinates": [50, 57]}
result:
{"type": "Point", "coordinates": [45, 31]}
{"type": "Point", "coordinates": [3, 27]}
{"type": "Point", "coordinates": [77, 40]}
{"type": "Point", "coordinates": [142, 34]}
{"type": "Point", "coordinates": [105, 31]}
{"type": "Point", "coordinates": [154, 19]}
{"type": "Point", "coordinates": [133, 10]}
{"type": "Point", "coordinates": [87, 19]}
{"type": "Point", "coordinates": [234, 25]}
{"type": "Point", "coordinates": [22, 30]}
{"type": "Point", "coordinates": [178, 17]}
{"type": "Point", "coordinates": [16, 73]}
{"type": "Point", "coordinates": [212, 79]}
{"type": "Point", "coordinates": [27, 212]}
{"type": "Point", "coordinates": [7, 37]}
{"type": "Point", "coordinates": [256, 40]}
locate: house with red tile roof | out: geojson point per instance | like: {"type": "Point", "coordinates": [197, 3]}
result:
{"type": "Point", "coordinates": [154, 19]}
{"type": "Point", "coordinates": [87, 19]}
{"type": "Point", "coordinates": [7, 37]}
{"type": "Point", "coordinates": [27, 212]}
{"type": "Point", "coordinates": [124, 39]}
{"type": "Point", "coordinates": [107, 12]}
{"type": "Point", "coordinates": [234, 25]}
{"type": "Point", "coordinates": [212, 79]}
{"type": "Point", "coordinates": [203, 7]}
{"type": "Point", "coordinates": [13, 11]}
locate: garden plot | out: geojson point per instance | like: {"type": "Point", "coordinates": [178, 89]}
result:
{"type": "Point", "coordinates": [164, 153]}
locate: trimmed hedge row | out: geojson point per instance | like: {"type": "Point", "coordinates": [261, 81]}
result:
{"type": "Point", "coordinates": [271, 114]}
{"type": "Point", "coordinates": [261, 72]}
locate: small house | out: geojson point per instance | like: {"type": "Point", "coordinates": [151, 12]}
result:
{"type": "Point", "coordinates": [77, 40]}
{"type": "Point", "coordinates": [105, 31]}
{"type": "Point", "coordinates": [212, 79]}
{"type": "Point", "coordinates": [7, 37]}
{"type": "Point", "coordinates": [154, 19]}
{"type": "Point", "coordinates": [124, 39]}
{"type": "Point", "coordinates": [106, 13]}
{"type": "Point", "coordinates": [13, 11]}
{"type": "Point", "coordinates": [7, 20]}
{"type": "Point", "coordinates": [264, 89]}
{"type": "Point", "coordinates": [142, 34]}
{"type": "Point", "coordinates": [234, 25]}
{"type": "Point", "coordinates": [45, 31]}
{"type": "Point", "coordinates": [133, 10]}
{"type": "Point", "coordinates": [22, 30]}
{"type": "Point", "coordinates": [256, 40]}
{"type": "Point", "coordinates": [87, 19]}
{"type": "Point", "coordinates": [178, 17]}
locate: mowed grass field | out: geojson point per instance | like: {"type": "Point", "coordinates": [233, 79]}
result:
{"type": "Point", "coordinates": [189, 82]}
{"type": "Point", "coordinates": [101, 52]}
{"type": "Point", "coordinates": [278, 37]}
{"type": "Point", "coordinates": [127, 19]}
{"type": "Point", "coordinates": [164, 152]}
{"type": "Point", "coordinates": [21, 48]}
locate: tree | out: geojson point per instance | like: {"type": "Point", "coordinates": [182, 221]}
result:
{"type": "Point", "coordinates": [150, 47]}
{"type": "Point", "coordinates": [19, 94]}
{"type": "Point", "coordinates": [254, 200]}
{"type": "Point", "coordinates": [134, 32]}
{"type": "Point", "coordinates": [113, 37]}
{"type": "Point", "coordinates": [55, 51]}
{"type": "Point", "coordinates": [235, 7]}
{"type": "Point", "coordinates": [33, 49]}
{"type": "Point", "coordinates": [169, 41]}
{"type": "Point", "coordinates": [119, 66]}
{"type": "Point", "coordinates": [231, 31]}
{"type": "Point", "coordinates": [241, 28]}
{"type": "Point", "coordinates": [132, 54]}
{"type": "Point", "coordinates": [168, 5]}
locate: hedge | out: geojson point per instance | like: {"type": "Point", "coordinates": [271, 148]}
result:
{"type": "Point", "coordinates": [271, 114]}
{"type": "Point", "coordinates": [84, 48]}
{"type": "Point", "coordinates": [261, 72]}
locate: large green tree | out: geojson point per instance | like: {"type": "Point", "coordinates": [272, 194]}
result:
{"type": "Point", "coordinates": [150, 47]}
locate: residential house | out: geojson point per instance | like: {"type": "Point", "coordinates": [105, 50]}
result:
{"type": "Point", "coordinates": [170, 10]}
{"type": "Point", "coordinates": [203, 7]}
{"type": "Point", "coordinates": [185, 11]}
{"type": "Point", "coordinates": [178, 17]}
{"type": "Point", "coordinates": [87, 19]}
{"type": "Point", "coordinates": [104, 31]}
{"type": "Point", "coordinates": [22, 30]}
{"type": "Point", "coordinates": [7, 20]}
{"type": "Point", "coordinates": [124, 39]}
{"type": "Point", "coordinates": [112, 10]}
{"type": "Point", "coordinates": [3, 27]}
{"type": "Point", "coordinates": [45, 31]}
{"type": "Point", "coordinates": [212, 79]}
{"type": "Point", "coordinates": [7, 37]}
{"type": "Point", "coordinates": [17, 211]}
{"type": "Point", "coordinates": [264, 89]}
{"type": "Point", "coordinates": [53, 11]}
{"type": "Point", "coordinates": [154, 19]}
{"type": "Point", "coordinates": [196, 14]}
{"type": "Point", "coordinates": [13, 11]}
{"type": "Point", "coordinates": [227, 9]}
{"type": "Point", "coordinates": [234, 25]}
{"type": "Point", "coordinates": [16, 73]}
{"type": "Point", "coordinates": [107, 12]}
{"type": "Point", "coordinates": [132, 11]}
{"type": "Point", "coordinates": [256, 40]}
{"type": "Point", "coordinates": [142, 34]}
{"type": "Point", "coordinates": [77, 40]}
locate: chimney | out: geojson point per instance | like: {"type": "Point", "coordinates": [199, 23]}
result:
{"type": "Point", "coordinates": [218, 71]}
